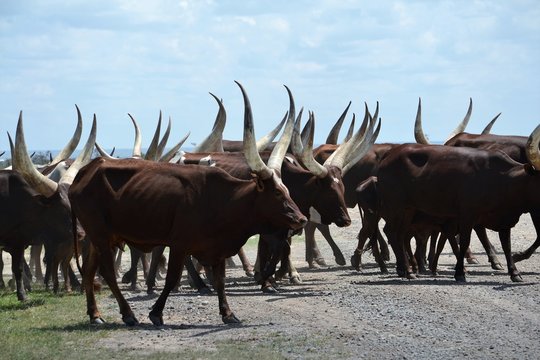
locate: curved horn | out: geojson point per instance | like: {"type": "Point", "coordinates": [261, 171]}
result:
{"type": "Point", "coordinates": [103, 153]}
{"type": "Point", "coordinates": [214, 141]}
{"type": "Point", "coordinates": [296, 142]}
{"type": "Point", "coordinates": [487, 129]}
{"type": "Point", "coordinates": [350, 132]}
{"type": "Point", "coordinates": [307, 154]}
{"type": "Point", "coordinates": [340, 155]}
{"type": "Point", "coordinates": [361, 150]}
{"type": "Point", "coordinates": [72, 144]}
{"type": "Point", "coordinates": [463, 124]}
{"type": "Point", "coordinates": [334, 133]}
{"type": "Point", "coordinates": [164, 140]}
{"type": "Point", "coordinates": [263, 142]}
{"type": "Point", "coordinates": [531, 148]}
{"type": "Point", "coordinates": [278, 154]}
{"type": "Point", "coordinates": [418, 132]}
{"type": "Point", "coordinates": [23, 164]}
{"type": "Point", "coordinates": [84, 157]}
{"type": "Point", "coordinates": [171, 153]}
{"type": "Point", "coordinates": [250, 151]}
{"type": "Point", "coordinates": [137, 144]}
{"type": "Point", "coordinates": [152, 148]}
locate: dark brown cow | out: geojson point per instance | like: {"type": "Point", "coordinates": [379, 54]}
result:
{"type": "Point", "coordinates": [513, 146]}
{"type": "Point", "coordinates": [462, 186]}
{"type": "Point", "coordinates": [195, 210]}
{"type": "Point", "coordinates": [36, 210]}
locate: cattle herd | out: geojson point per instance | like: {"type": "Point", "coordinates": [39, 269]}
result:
{"type": "Point", "coordinates": [204, 205]}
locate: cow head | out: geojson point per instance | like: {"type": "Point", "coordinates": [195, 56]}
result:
{"type": "Point", "coordinates": [274, 202]}
{"type": "Point", "coordinates": [55, 225]}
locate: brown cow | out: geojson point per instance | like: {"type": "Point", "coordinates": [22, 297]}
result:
{"type": "Point", "coordinates": [195, 210]}
{"type": "Point", "coordinates": [462, 186]}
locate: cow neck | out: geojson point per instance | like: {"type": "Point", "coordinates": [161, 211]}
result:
{"type": "Point", "coordinates": [301, 184]}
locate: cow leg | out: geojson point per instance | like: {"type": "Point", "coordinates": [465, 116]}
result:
{"type": "Point", "coordinates": [118, 261]}
{"type": "Point", "coordinates": [385, 251]}
{"type": "Point", "coordinates": [248, 268]}
{"type": "Point", "coordinates": [309, 233]}
{"type": "Point", "coordinates": [379, 255]}
{"type": "Point", "coordinates": [106, 267]}
{"type": "Point", "coordinates": [504, 237]}
{"type": "Point", "coordinates": [174, 272]}
{"type": "Point", "coordinates": [26, 275]}
{"type": "Point", "coordinates": [338, 255]}
{"type": "Point", "coordinates": [464, 242]}
{"type": "Point", "coordinates": [420, 253]}
{"type": "Point", "coordinates": [131, 275]}
{"type": "Point", "coordinates": [157, 252]}
{"type": "Point", "coordinates": [264, 257]}
{"type": "Point", "coordinates": [368, 230]}
{"type": "Point", "coordinates": [89, 268]}
{"type": "Point", "coordinates": [17, 255]}
{"type": "Point", "coordinates": [490, 250]}
{"type": "Point", "coordinates": [438, 250]}
{"type": "Point", "coordinates": [195, 277]}
{"type": "Point", "coordinates": [35, 261]}
{"type": "Point", "coordinates": [523, 255]}
{"type": "Point", "coordinates": [66, 266]}
{"type": "Point", "coordinates": [144, 264]}
{"type": "Point", "coordinates": [432, 247]}
{"type": "Point", "coordinates": [410, 254]}
{"type": "Point", "coordinates": [230, 262]}
{"type": "Point", "coordinates": [219, 284]}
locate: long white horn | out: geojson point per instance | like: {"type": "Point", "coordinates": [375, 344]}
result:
{"type": "Point", "coordinates": [137, 153]}
{"type": "Point", "coordinates": [332, 138]}
{"type": "Point", "coordinates": [307, 154]}
{"type": "Point", "coordinates": [23, 164]}
{"type": "Point", "coordinates": [361, 150]}
{"type": "Point", "coordinates": [266, 140]}
{"type": "Point", "coordinates": [278, 154]}
{"type": "Point", "coordinates": [418, 131]}
{"type": "Point", "coordinates": [164, 139]}
{"type": "Point", "coordinates": [531, 149]}
{"type": "Point", "coordinates": [296, 141]}
{"type": "Point", "coordinates": [171, 153]}
{"type": "Point", "coordinates": [103, 153]}
{"type": "Point", "coordinates": [152, 148]}
{"type": "Point", "coordinates": [72, 144]}
{"type": "Point", "coordinates": [250, 151]}
{"type": "Point", "coordinates": [84, 157]}
{"type": "Point", "coordinates": [488, 127]}
{"type": "Point", "coordinates": [214, 141]}
{"type": "Point", "coordinates": [350, 132]}
{"type": "Point", "coordinates": [463, 124]}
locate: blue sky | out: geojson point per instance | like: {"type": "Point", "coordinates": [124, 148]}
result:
{"type": "Point", "coordinates": [112, 57]}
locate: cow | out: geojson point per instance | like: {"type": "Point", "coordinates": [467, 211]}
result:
{"type": "Point", "coordinates": [35, 209]}
{"type": "Point", "coordinates": [462, 186]}
{"type": "Point", "coordinates": [513, 146]}
{"type": "Point", "coordinates": [195, 210]}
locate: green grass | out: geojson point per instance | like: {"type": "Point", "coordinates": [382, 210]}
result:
{"type": "Point", "coordinates": [46, 326]}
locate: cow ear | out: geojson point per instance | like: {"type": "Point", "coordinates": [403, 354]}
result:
{"type": "Point", "coordinates": [258, 181]}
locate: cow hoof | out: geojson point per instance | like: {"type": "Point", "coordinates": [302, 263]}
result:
{"type": "Point", "coordinates": [496, 266]}
{"type": "Point", "coordinates": [269, 290]}
{"type": "Point", "coordinates": [320, 261]}
{"type": "Point", "coordinates": [355, 262]}
{"type": "Point", "coordinates": [135, 287]}
{"type": "Point", "coordinates": [205, 291]}
{"type": "Point", "coordinates": [157, 320]}
{"type": "Point", "coordinates": [2, 285]}
{"type": "Point", "coordinates": [340, 259]}
{"type": "Point", "coordinates": [472, 260]}
{"type": "Point", "coordinates": [460, 278]}
{"type": "Point", "coordinates": [130, 320]}
{"type": "Point", "coordinates": [11, 284]}
{"type": "Point", "coordinates": [250, 273]}
{"type": "Point", "coordinates": [313, 265]}
{"type": "Point", "coordinates": [21, 297]}
{"type": "Point", "coordinates": [411, 276]}
{"type": "Point", "coordinates": [295, 280]}
{"type": "Point", "coordinates": [97, 321]}
{"type": "Point", "coordinates": [126, 279]}
{"type": "Point", "coordinates": [516, 278]}
{"type": "Point", "coordinates": [150, 291]}
{"type": "Point", "coordinates": [230, 319]}
{"type": "Point", "coordinates": [384, 270]}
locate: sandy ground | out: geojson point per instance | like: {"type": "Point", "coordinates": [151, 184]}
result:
{"type": "Point", "coordinates": [338, 312]}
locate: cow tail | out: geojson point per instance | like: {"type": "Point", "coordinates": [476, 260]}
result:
{"type": "Point", "coordinates": [75, 242]}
